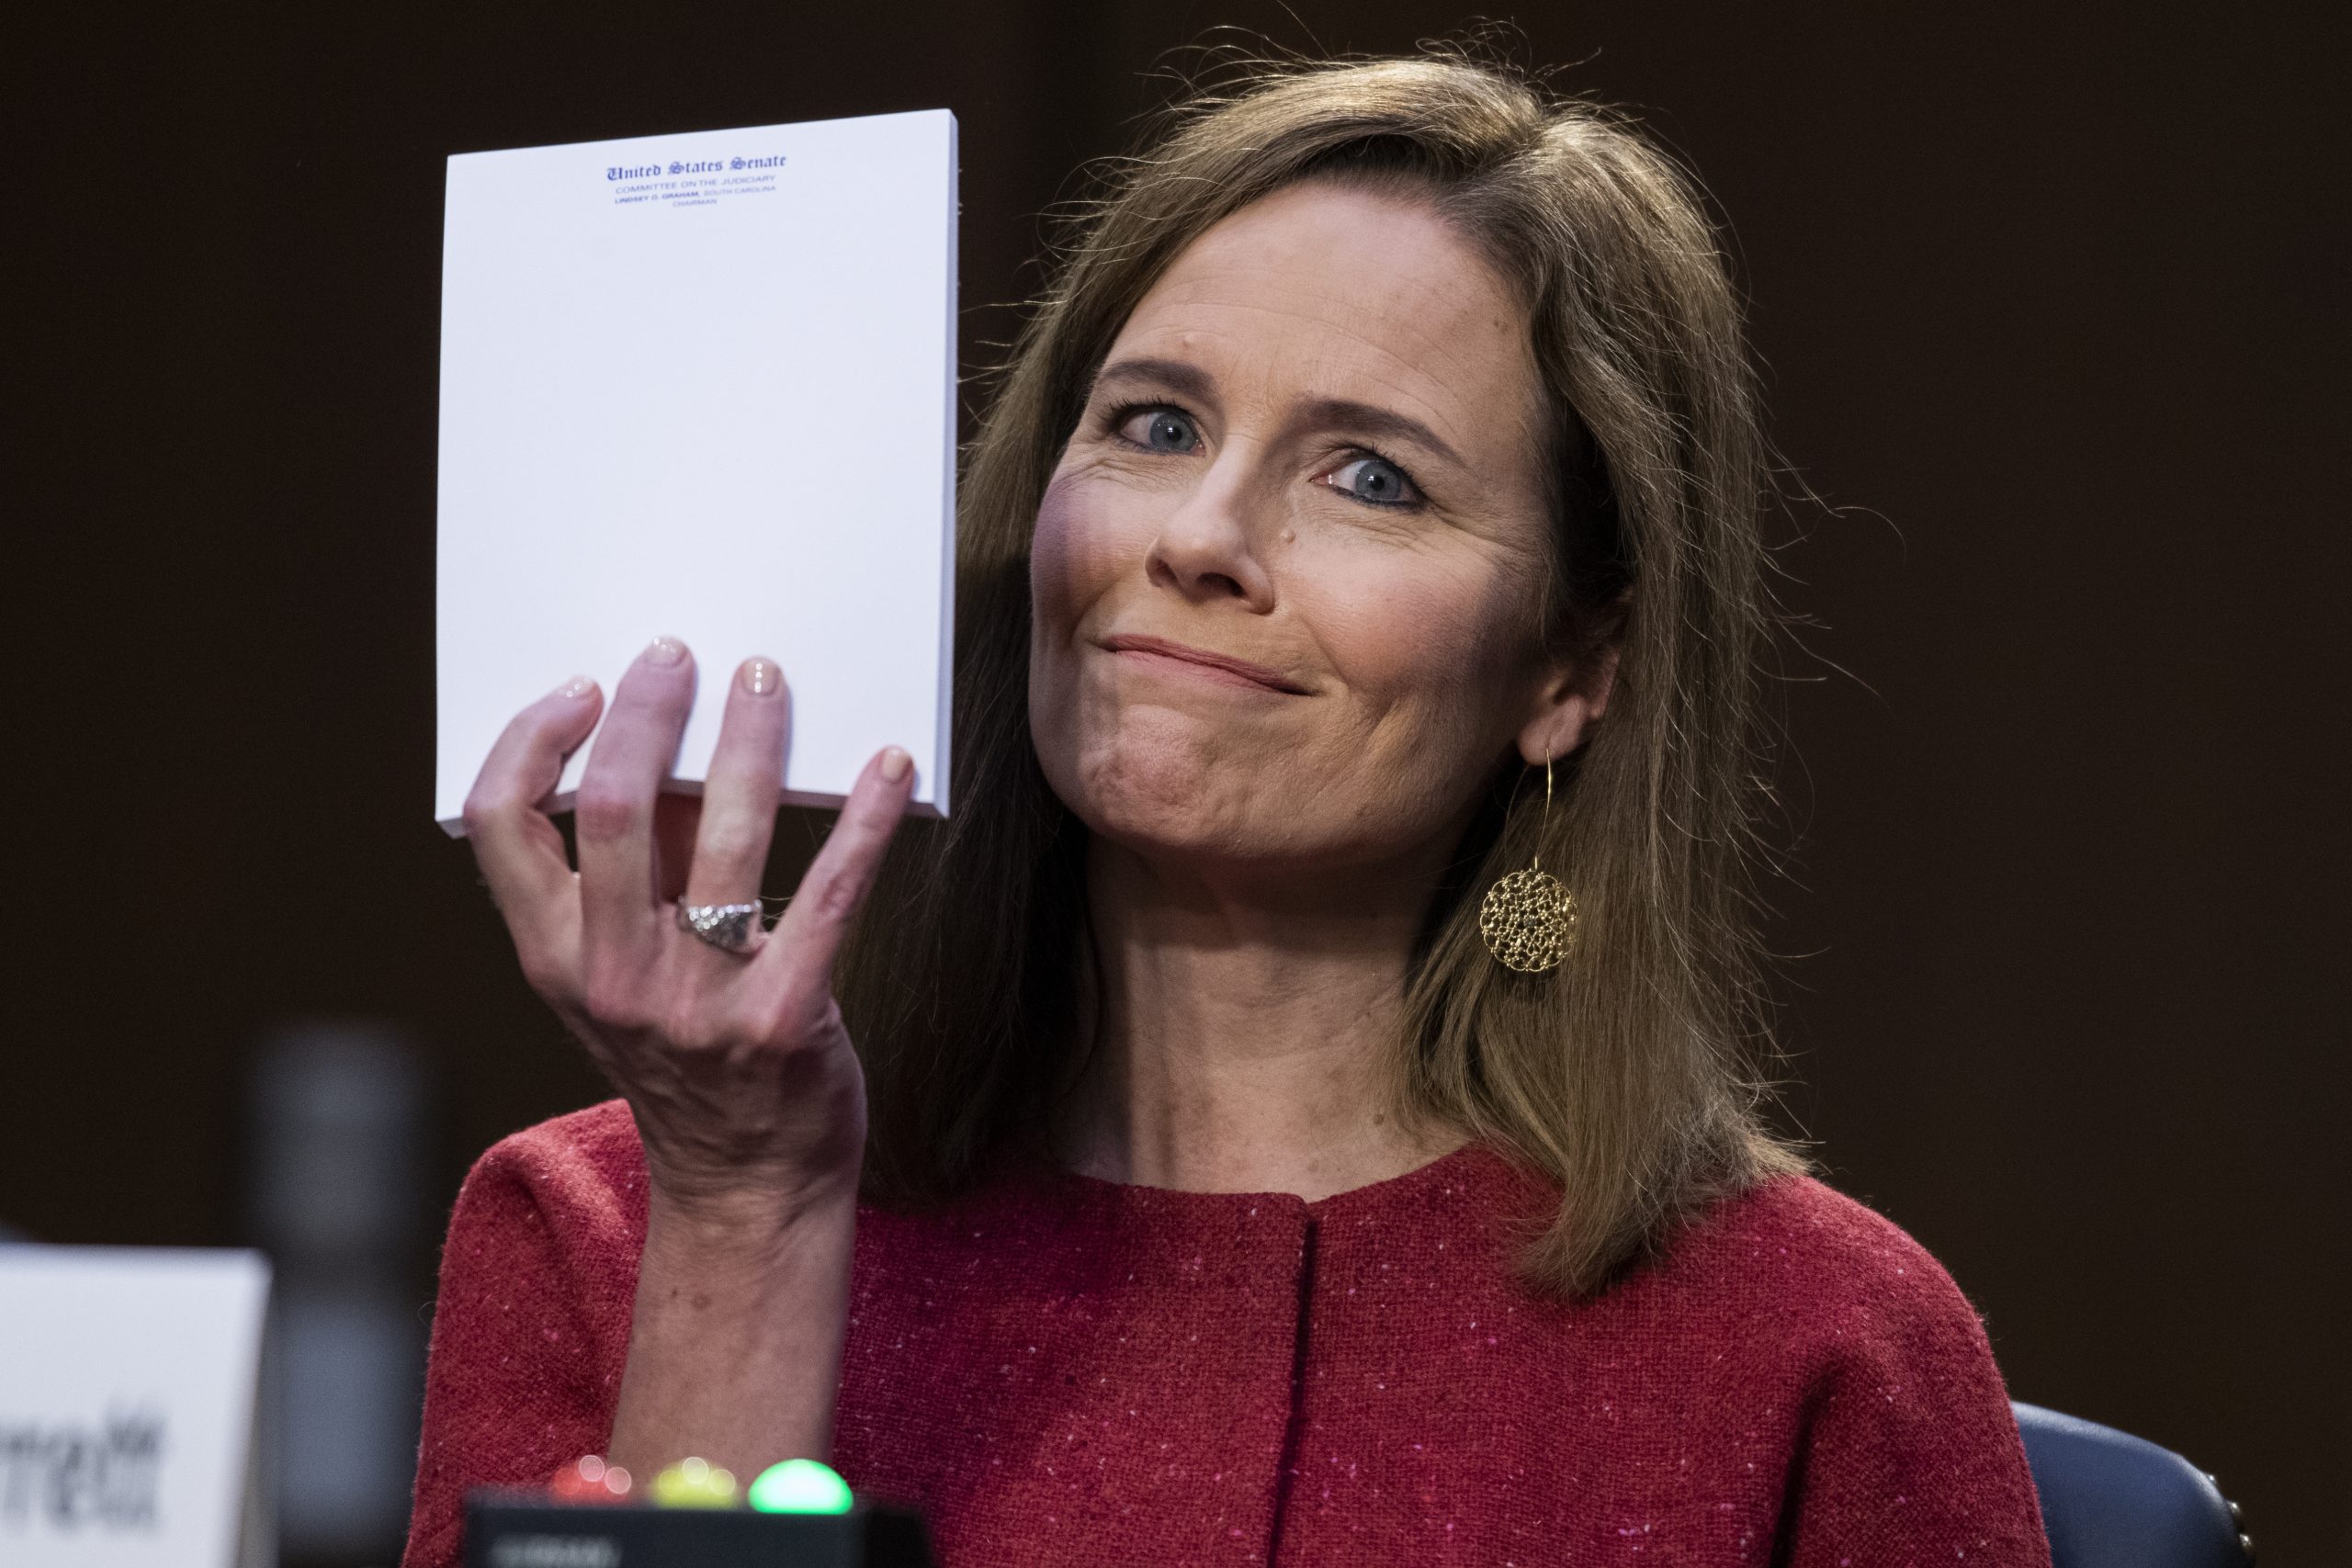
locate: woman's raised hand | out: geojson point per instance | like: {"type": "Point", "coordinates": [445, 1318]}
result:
{"type": "Point", "coordinates": [747, 1096]}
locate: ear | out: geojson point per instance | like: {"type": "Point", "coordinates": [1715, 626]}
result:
{"type": "Point", "coordinates": [1571, 703]}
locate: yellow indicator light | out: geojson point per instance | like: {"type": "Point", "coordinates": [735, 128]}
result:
{"type": "Point", "coordinates": [695, 1483]}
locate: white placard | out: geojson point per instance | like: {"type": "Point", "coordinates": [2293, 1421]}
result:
{"type": "Point", "coordinates": [702, 385]}
{"type": "Point", "coordinates": [128, 1382]}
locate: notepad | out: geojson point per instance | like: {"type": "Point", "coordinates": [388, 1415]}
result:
{"type": "Point", "coordinates": [702, 385]}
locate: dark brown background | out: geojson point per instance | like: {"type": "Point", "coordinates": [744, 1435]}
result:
{"type": "Point", "coordinates": [2051, 300]}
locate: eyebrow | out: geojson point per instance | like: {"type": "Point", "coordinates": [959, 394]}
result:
{"type": "Point", "coordinates": [1173, 375]}
{"type": "Point", "coordinates": [1191, 381]}
{"type": "Point", "coordinates": [1345, 413]}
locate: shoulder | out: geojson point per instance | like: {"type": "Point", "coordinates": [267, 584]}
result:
{"type": "Point", "coordinates": [577, 1181]}
{"type": "Point", "coordinates": [1806, 1263]}
{"type": "Point", "coordinates": [543, 1246]}
{"type": "Point", "coordinates": [1831, 1313]}
{"type": "Point", "coordinates": [530, 1328]}
{"type": "Point", "coordinates": [1811, 1224]}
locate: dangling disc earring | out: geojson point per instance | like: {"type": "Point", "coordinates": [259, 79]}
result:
{"type": "Point", "coordinates": [1530, 919]}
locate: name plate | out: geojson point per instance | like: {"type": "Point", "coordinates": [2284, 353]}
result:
{"type": "Point", "coordinates": [127, 1380]}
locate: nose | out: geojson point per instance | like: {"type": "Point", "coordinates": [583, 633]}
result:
{"type": "Point", "coordinates": [1206, 548]}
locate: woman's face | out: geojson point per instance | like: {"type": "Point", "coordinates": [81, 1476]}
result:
{"type": "Point", "coordinates": [1286, 572]}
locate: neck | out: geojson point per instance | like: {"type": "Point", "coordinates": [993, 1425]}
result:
{"type": "Point", "coordinates": [1244, 1028]}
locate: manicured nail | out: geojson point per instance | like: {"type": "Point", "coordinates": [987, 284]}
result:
{"type": "Point", "coordinates": [760, 677]}
{"type": "Point", "coordinates": [576, 688]}
{"type": "Point", "coordinates": [895, 763]}
{"type": "Point", "coordinates": [666, 651]}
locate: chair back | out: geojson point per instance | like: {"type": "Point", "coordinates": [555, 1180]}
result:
{"type": "Point", "coordinates": [2112, 1500]}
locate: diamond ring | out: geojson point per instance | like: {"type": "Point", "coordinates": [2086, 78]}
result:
{"type": "Point", "coordinates": [731, 928]}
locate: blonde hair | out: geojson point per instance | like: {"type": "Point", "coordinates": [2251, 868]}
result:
{"type": "Point", "coordinates": [1625, 1074]}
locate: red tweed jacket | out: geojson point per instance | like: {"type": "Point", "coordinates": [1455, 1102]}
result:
{"type": "Point", "coordinates": [1066, 1371]}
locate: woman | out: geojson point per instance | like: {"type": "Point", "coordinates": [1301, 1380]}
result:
{"type": "Point", "coordinates": [1186, 1174]}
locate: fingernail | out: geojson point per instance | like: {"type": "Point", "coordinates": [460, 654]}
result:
{"type": "Point", "coordinates": [577, 687]}
{"type": "Point", "coordinates": [895, 763]}
{"type": "Point", "coordinates": [760, 677]}
{"type": "Point", "coordinates": [666, 651]}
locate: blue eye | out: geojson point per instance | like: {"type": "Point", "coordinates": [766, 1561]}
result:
{"type": "Point", "coordinates": [1161, 430]}
{"type": "Point", "coordinates": [1375, 481]}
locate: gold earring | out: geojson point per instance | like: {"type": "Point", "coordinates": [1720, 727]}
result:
{"type": "Point", "coordinates": [1530, 919]}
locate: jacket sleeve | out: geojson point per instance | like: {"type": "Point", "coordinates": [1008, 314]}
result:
{"type": "Point", "coordinates": [1910, 1453]}
{"type": "Point", "coordinates": [531, 1327]}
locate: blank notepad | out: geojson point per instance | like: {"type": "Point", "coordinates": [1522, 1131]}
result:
{"type": "Point", "coordinates": [704, 386]}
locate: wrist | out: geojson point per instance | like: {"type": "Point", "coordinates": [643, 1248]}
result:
{"type": "Point", "coordinates": [748, 1224]}
{"type": "Point", "coordinates": [735, 1341]}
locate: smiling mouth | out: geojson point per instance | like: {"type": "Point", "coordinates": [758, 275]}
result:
{"type": "Point", "coordinates": [1239, 671]}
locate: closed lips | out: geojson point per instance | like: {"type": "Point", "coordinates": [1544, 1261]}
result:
{"type": "Point", "coordinates": [1257, 674]}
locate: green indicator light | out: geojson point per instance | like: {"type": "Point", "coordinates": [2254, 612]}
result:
{"type": "Point", "coordinates": [799, 1486]}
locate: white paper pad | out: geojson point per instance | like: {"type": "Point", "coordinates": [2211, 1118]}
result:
{"type": "Point", "coordinates": [704, 386]}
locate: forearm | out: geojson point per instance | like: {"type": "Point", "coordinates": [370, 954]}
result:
{"type": "Point", "coordinates": [735, 1351]}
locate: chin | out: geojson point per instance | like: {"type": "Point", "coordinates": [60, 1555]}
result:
{"type": "Point", "coordinates": [1160, 785]}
